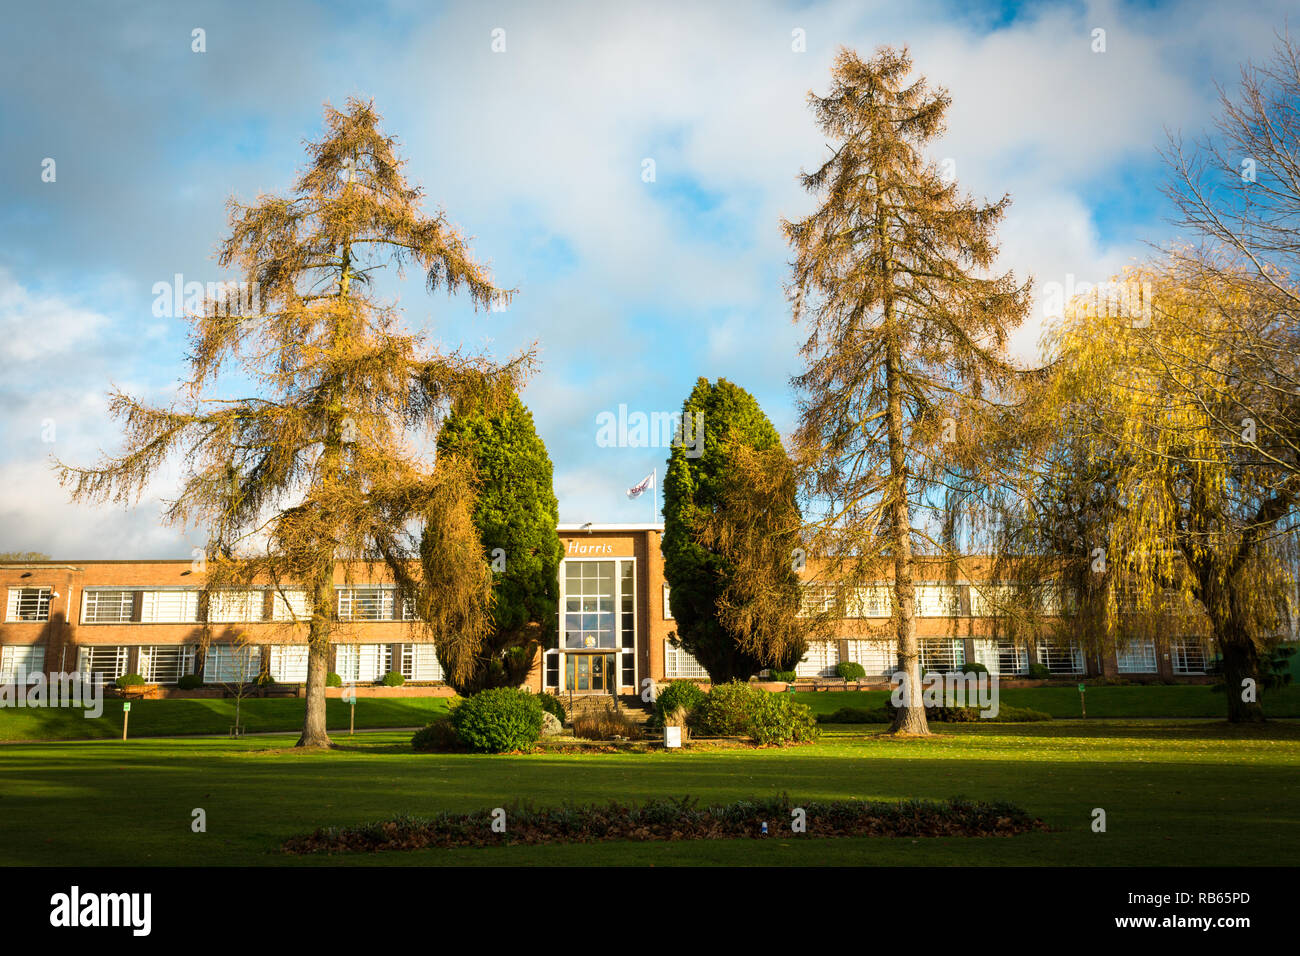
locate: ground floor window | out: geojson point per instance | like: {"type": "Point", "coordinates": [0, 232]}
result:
{"type": "Point", "coordinates": [229, 664]}
{"type": "Point", "coordinates": [20, 663]}
{"type": "Point", "coordinates": [420, 662]}
{"type": "Point", "coordinates": [1189, 655]}
{"type": "Point", "coordinates": [942, 654]}
{"type": "Point", "coordinates": [165, 663]}
{"type": "Point", "coordinates": [288, 663]}
{"type": "Point", "coordinates": [357, 663]}
{"type": "Point", "coordinates": [678, 663]}
{"type": "Point", "coordinates": [109, 663]}
{"type": "Point", "coordinates": [878, 658]}
{"type": "Point", "coordinates": [1137, 657]}
{"type": "Point", "coordinates": [1061, 658]}
{"type": "Point", "coordinates": [1002, 658]}
{"type": "Point", "coordinates": [820, 661]}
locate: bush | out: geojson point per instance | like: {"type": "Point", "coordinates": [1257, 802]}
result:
{"type": "Point", "coordinates": [393, 679]}
{"type": "Point", "coordinates": [605, 724]}
{"type": "Point", "coordinates": [935, 715]}
{"type": "Point", "coordinates": [850, 670]}
{"type": "Point", "coordinates": [498, 720]}
{"type": "Point", "coordinates": [333, 680]}
{"type": "Point", "coordinates": [974, 667]}
{"type": "Point", "coordinates": [787, 676]}
{"type": "Point", "coordinates": [438, 737]}
{"type": "Point", "coordinates": [780, 719]}
{"type": "Point", "coordinates": [1039, 671]}
{"type": "Point", "coordinates": [129, 680]}
{"type": "Point", "coordinates": [189, 681]}
{"type": "Point", "coordinates": [553, 706]}
{"type": "Point", "coordinates": [727, 710]}
{"type": "Point", "coordinates": [680, 693]}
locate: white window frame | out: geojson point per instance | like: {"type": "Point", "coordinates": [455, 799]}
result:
{"type": "Point", "coordinates": [1060, 658]}
{"type": "Point", "coordinates": [290, 605]}
{"type": "Point", "coordinates": [1186, 663]}
{"type": "Point", "coordinates": [94, 602]}
{"type": "Point", "coordinates": [287, 663]}
{"type": "Point", "coordinates": [668, 608]}
{"type": "Point", "coordinates": [680, 664]}
{"type": "Point", "coordinates": [942, 654]}
{"type": "Point", "coordinates": [362, 663]}
{"type": "Point", "coordinates": [1138, 656]}
{"type": "Point", "coordinates": [419, 662]}
{"type": "Point", "coordinates": [25, 607]}
{"type": "Point", "coordinates": [19, 663]}
{"type": "Point", "coordinates": [169, 606]}
{"type": "Point", "coordinates": [219, 663]}
{"type": "Point", "coordinates": [110, 660]}
{"type": "Point", "coordinates": [878, 658]}
{"type": "Point", "coordinates": [242, 606]}
{"type": "Point", "coordinates": [820, 660]}
{"type": "Point", "coordinates": [176, 660]}
{"type": "Point", "coordinates": [938, 600]}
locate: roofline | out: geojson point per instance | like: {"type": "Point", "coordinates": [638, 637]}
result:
{"type": "Point", "coordinates": [590, 526]}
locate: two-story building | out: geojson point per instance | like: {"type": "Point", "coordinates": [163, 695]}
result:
{"type": "Point", "coordinates": [143, 617]}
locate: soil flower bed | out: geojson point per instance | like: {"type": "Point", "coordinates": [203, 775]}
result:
{"type": "Point", "coordinates": [679, 819]}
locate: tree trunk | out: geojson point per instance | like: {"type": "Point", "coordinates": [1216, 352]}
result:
{"type": "Point", "coordinates": [314, 733]}
{"type": "Point", "coordinates": [910, 718]}
{"type": "Point", "coordinates": [1240, 662]}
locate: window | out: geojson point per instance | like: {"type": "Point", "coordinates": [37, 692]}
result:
{"type": "Point", "coordinates": [173, 606]}
{"type": "Point", "coordinates": [942, 654]}
{"type": "Point", "coordinates": [878, 658]}
{"type": "Point", "coordinates": [28, 604]}
{"type": "Point", "coordinates": [420, 662]}
{"type": "Point", "coordinates": [553, 669]}
{"type": "Point", "coordinates": [109, 663]}
{"type": "Point", "coordinates": [820, 661]}
{"type": "Point", "coordinates": [165, 663]}
{"type": "Point", "coordinates": [374, 603]}
{"type": "Point", "coordinates": [1137, 657]}
{"type": "Point", "coordinates": [1189, 655]}
{"type": "Point", "coordinates": [356, 663]}
{"type": "Point", "coordinates": [871, 601]}
{"type": "Point", "coordinates": [19, 663]}
{"type": "Point", "coordinates": [678, 662]}
{"type": "Point", "coordinates": [290, 606]}
{"type": "Point", "coordinates": [589, 604]}
{"type": "Point", "coordinates": [1061, 658]}
{"type": "Point", "coordinates": [817, 599]}
{"type": "Point", "coordinates": [230, 607]}
{"type": "Point", "coordinates": [288, 663]}
{"type": "Point", "coordinates": [938, 600]}
{"type": "Point", "coordinates": [1002, 658]}
{"type": "Point", "coordinates": [668, 608]}
{"type": "Point", "coordinates": [230, 664]}
{"type": "Point", "coordinates": [107, 607]}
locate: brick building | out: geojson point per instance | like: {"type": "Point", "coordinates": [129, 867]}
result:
{"type": "Point", "coordinates": [141, 617]}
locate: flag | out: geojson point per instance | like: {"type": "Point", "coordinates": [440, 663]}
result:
{"type": "Point", "coordinates": [642, 486]}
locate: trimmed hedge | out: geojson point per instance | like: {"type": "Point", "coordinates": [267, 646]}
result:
{"type": "Point", "coordinates": [936, 715]}
{"type": "Point", "coordinates": [680, 693]}
{"type": "Point", "coordinates": [850, 670]}
{"type": "Point", "coordinates": [333, 680]}
{"type": "Point", "coordinates": [499, 720]}
{"type": "Point", "coordinates": [393, 679]}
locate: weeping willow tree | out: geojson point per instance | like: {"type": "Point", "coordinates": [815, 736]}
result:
{"type": "Point", "coordinates": [907, 336]}
{"type": "Point", "coordinates": [326, 464]}
{"type": "Point", "coordinates": [1193, 529]}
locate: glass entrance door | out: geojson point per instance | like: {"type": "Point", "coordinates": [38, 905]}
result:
{"type": "Point", "coordinates": [589, 672]}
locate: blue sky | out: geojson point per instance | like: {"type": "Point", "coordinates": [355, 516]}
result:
{"type": "Point", "coordinates": [631, 289]}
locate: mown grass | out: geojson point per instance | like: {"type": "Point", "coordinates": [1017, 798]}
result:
{"type": "Point", "coordinates": [1177, 792]}
{"type": "Point", "coordinates": [179, 717]}
{"type": "Point", "coordinates": [1156, 700]}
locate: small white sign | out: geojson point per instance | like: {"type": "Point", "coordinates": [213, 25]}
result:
{"type": "Point", "coordinates": [672, 736]}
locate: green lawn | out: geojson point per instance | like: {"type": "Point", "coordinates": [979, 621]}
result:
{"type": "Point", "coordinates": [1177, 792]}
{"type": "Point", "coordinates": [1156, 700]}
{"type": "Point", "coordinates": [172, 717]}
{"type": "Point", "coordinates": [175, 717]}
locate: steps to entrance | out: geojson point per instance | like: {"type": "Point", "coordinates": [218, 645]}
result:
{"type": "Point", "coordinates": [586, 704]}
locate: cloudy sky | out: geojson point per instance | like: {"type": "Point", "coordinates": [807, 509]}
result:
{"type": "Point", "coordinates": [631, 289]}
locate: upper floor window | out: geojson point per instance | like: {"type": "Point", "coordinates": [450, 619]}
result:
{"type": "Point", "coordinates": [107, 607]}
{"type": "Point", "coordinates": [229, 607]}
{"type": "Point", "coordinates": [375, 603]}
{"type": "Point", "coordinates": [169, 606]}
{"type": "Point", "coordinates": [28, 604]}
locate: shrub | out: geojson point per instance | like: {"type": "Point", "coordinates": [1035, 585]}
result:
{"type": "Point", "coordinates": [333, 680]}
{"type": "Point", "coordinates": [553, 705]}
{"type": "Point", "coordinates": [604, 724]}
{"type": "Point", "coordinates": [974, 667]}
{"type": "Point", "coordinates": [780, 719]}
{"type": "Point", "coordinates": [129, 680]}
{"type": "Point", "coordinates": [935, 715]}
{"type": "Point", "coordinates": [189, 681]}
{"type": "Point", "coordinates": [727, 710]}
{"type": "Point", "coordinates": [438, 737]}
{"type": "Point", "coordinates": [498, 720]}
{"type": "Point", "coordinates": [787, 676]}
{"type": "Point", "coordinates": [1039, 671]}
{"type": "Point", "coordinates": [680, 693]}
{"type": "Point", "coordinates": [850, 670]}
{"type": "Point", "coordinates": [393, 679]}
